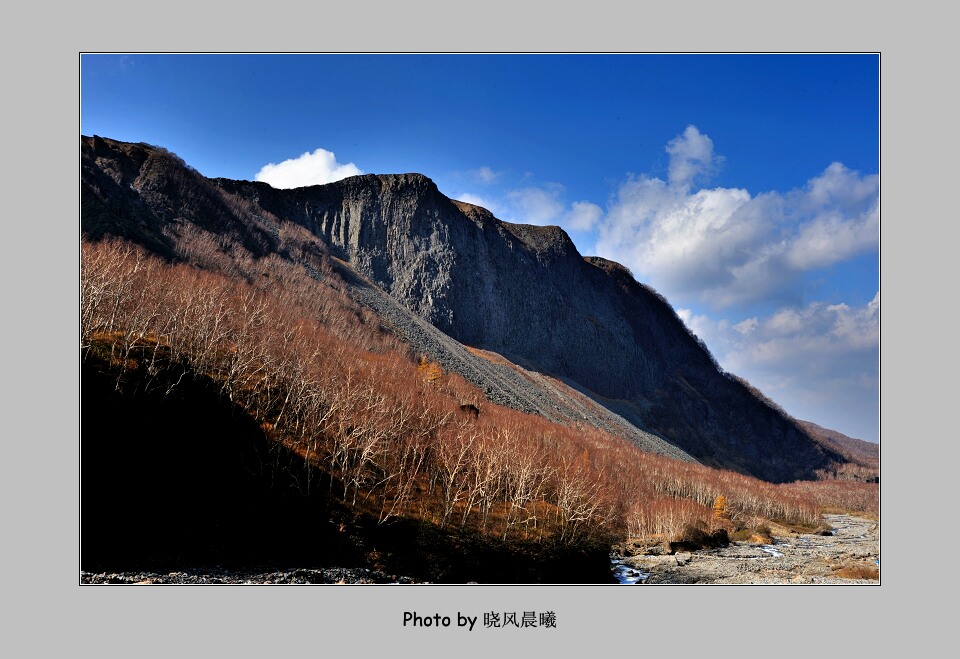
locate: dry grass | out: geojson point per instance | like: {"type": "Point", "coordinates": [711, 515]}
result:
{"type": "Point", "coordinates": [760, 538]}
{"type": "Point", "coordinates": [857, 571]}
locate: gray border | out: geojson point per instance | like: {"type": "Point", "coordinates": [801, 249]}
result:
{"type": "Point", "coordinates": [248, 621]}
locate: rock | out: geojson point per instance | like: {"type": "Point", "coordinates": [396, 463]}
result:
{"type": "Point", "coordinates": [683, 558]}
{"type": "Point", "coordinates": [719, 538]}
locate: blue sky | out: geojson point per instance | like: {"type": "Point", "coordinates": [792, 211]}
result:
{"type": "Point", "coordinates": [745, 188]}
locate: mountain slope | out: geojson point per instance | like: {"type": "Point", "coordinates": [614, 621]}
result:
{"type": "Point", "coordinates": [520, 291]}
{"type": "Point", "coordinates": [863, 457]}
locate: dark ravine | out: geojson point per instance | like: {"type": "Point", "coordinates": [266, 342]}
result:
{"type": "Point", "coordinates": [521, 291]}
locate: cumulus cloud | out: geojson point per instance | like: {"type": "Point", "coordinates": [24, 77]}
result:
{"type": "Point", "coordinates": [582, 216]}
{"type": "Point", "coordinates": [816, 336]}
{"type": "Point", "coordinates": [838, 216]}
{"type": "Point", "coordinates": [315, 168]}
{"type": "Point", "coordinates": [724, 246]}
{"type": "Point", "coordinates": [858, 328]}
{"type": "Point", "coordinates": [691, 157]}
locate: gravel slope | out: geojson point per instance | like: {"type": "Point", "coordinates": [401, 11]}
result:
{"type": "Point", "coordinates": [503, 383]}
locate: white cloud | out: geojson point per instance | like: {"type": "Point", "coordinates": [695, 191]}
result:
{"type": "Point", "coordinates": [534, 205]}
{"type": "Point", "coordinates": [786, 322]}
{"type": "Point", "coordinates": [582, 216]}
{"type": "Point", "coordinates": [691, 157]}
{"type": "Point", "coordinates": [859, 328]}
{"type": "Point", "coordinates": [839, 186]}
{"type": "Point", "coordinates": [819, 361]}
{"type": "Point", "coordinates": [315, 168]}
{"type": "Point", "coordinates": [541, 205]}
{"type": "Point", "coordinates": [724, 246]}
{"type": "Point", "coordinates": [701, 325]}
{"type": "Point", "coordinates": [818, 337]}
{"type": "Point", "coordinates": [676, 241]}
{"type": "Point", "coordinates": [839, 216]}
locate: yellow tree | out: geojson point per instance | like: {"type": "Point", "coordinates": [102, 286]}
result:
{"type": "Point", "coordinates": [720, 510]}
{"type": "Point", "coordinates": [430, 371]}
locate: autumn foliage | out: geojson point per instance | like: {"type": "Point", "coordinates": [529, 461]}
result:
{"type": "Point", "coordinates": [720, 510]}
{"type": "Point", "coordinates": [322, 378]}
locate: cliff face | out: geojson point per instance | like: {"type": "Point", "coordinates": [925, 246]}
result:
{"type": "Point", "coordinates": [522, 291]}
{"type": "Point", "coordinates": [518, 290]}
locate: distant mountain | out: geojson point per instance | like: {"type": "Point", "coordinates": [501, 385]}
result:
{"type": "Point", "coordinates": [585, 341]}
{"type": "Point", "coordinates": [858, 452]}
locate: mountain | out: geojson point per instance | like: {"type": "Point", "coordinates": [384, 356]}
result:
{"type": "Point", "coordinates": [514, 308]}
{"type": "Point", "coordinates": [863, 457]}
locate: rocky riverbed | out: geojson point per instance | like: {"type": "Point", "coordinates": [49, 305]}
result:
{"type": "Point", "coordinates": [849, 556]}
